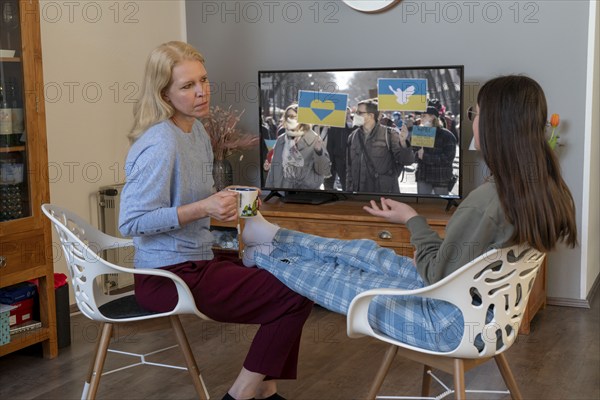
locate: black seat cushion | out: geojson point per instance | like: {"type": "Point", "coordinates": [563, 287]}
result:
{"type": "Point", "coordinates": [124, 307]}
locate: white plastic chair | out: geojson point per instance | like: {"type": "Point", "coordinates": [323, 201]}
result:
{"type": "Point", "coordinates": [82, 244]}
{"type": "Point", "coordinates": [498, 281]}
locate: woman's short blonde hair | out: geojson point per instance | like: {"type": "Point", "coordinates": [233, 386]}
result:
{"type": "Point", "coordinates": [151, 107]}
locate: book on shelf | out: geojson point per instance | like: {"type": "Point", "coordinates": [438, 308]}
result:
{"type": "Point", "coordinates": [25, 326]}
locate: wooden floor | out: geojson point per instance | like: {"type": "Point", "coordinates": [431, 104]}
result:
{"type": "Point", "coordinates": [560, 359]}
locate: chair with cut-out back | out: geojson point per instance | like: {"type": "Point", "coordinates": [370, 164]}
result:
{"type": "Point", "coordinates": [491, 292]}
{"type": "Point", "coordinates": [82, 245]}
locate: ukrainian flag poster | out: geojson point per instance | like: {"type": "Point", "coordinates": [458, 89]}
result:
{"type": "Point", "coordinates": [322, 108]}
{"type": "Point", "coordinates": [423, 136]}
{"type": "Point", "coordinates": [402, 94]}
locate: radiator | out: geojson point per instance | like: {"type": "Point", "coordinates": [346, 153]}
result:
{"type": "Point", "coordinates": [109, 199]}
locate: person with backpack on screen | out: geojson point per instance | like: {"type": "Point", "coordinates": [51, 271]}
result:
{"type": "Point", "coordinates": [376, 154]}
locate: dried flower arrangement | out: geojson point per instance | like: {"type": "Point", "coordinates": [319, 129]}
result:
{"type": "Point", "coordinates": [225, 136]}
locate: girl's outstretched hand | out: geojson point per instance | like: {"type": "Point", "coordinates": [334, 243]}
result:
{"type": "Point", "coordinates": [391, 210]}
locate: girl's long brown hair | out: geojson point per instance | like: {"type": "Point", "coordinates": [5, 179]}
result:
{"type": "Point", "coordinates": [512, 125]}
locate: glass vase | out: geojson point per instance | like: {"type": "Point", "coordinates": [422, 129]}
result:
{"type": "Point", "coordinates": [222, 174]}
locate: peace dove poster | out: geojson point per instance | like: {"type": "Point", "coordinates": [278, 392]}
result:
{"type": "Point", "coordinates": [322, 108]}
{"type": "Point", "coordinates": [402, 94]}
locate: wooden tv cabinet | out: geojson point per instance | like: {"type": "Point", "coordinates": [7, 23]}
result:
{"type": "Point", "coordinates": [347, 220]}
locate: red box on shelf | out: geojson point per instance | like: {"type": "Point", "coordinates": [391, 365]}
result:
{"type": "Point", "coordinates": [22, 312]}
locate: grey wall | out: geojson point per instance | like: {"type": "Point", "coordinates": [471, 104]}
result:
{"type": "Point", "coordinates": [546, 40]}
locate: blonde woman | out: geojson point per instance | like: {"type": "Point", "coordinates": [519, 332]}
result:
{"type": "Point", "coordinates": [167, 204]}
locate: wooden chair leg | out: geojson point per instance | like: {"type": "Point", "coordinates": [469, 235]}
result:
{"type": "Point", "coordinates": [96, 371]}
{"type": "Point", "coordinates": [189, 357]}
{"type": "Point", "coordinates": [88, 377]}
{"type": "Point", "coordinates": [508, 377]}
{"type": "Point", "coordinates": [383, 370]}
{"type": "Point", "coordinates": [426, 385]}
{"type": "Point", "coordinates": [459, 379]}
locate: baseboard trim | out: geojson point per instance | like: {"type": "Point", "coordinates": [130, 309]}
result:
{"type": "Point", "coordinates": [594, 289]}
{"type": "Point", "coordinates": [565, 302]}
{"type": "Point", "coordinates": [581, 303]}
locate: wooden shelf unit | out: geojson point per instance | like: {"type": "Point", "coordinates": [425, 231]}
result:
{"type": "Point", "coordinates": [25, 243]}
{"type": "Point", "coordinates": [11, 149]}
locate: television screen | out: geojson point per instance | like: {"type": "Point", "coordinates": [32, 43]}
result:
{"type": "Point", "coordinates": [377, 131]}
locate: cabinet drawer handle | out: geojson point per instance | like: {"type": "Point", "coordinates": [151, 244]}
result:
{"type": "Point", "coordinates": [2, 261]}
{"type": "Point", "coordinates": [385, 235]}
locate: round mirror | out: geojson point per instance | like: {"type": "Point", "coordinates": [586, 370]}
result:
{"type": "Point", "coordinates": [370, 5]}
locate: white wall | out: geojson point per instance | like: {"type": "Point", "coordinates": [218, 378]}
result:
{"type": "Point", "coordinates": [93, 56]}
{"type": "Point", "coordinates": [591, 215]}
{"type": "Point", "coordinates": [489, 37]}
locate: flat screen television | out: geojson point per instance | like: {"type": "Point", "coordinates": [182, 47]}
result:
{"type": "Point", "coordinates": [409, 143]}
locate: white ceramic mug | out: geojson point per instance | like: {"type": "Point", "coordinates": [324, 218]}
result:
{"type": "Point", "coordinates": [247, 201]}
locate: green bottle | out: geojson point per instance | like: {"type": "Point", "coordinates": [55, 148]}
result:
{"type": "Point", "coordinates": [6, 136]}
